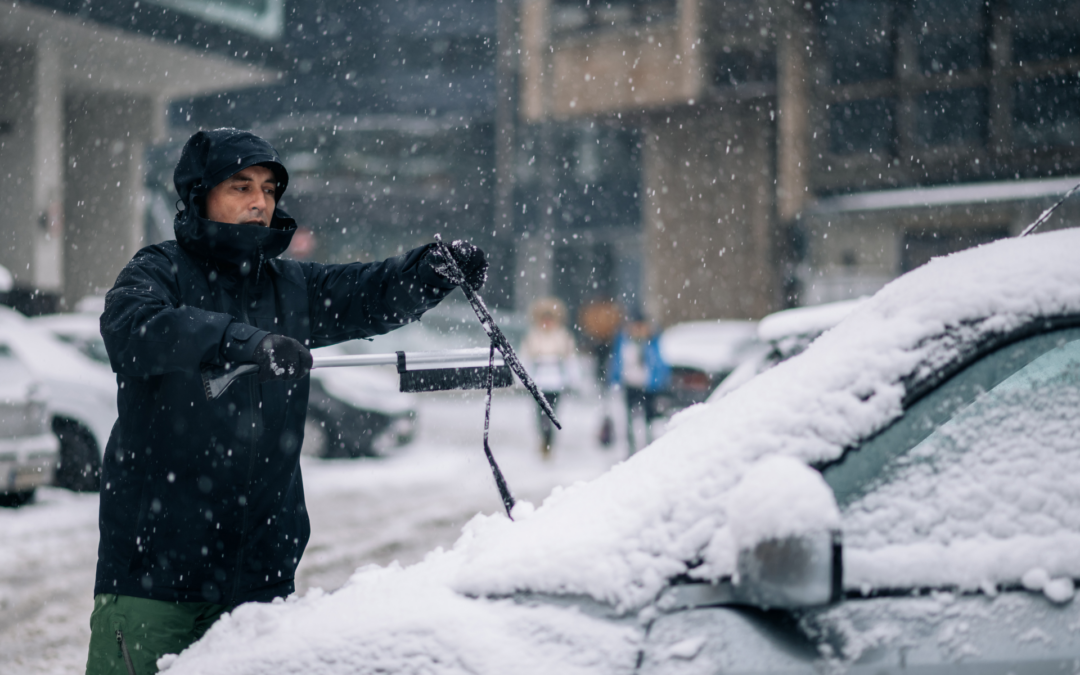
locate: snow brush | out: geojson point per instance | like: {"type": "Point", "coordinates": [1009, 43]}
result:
{"type": "Point", "coordinates": [498, 341]}
{"type": "Point", "coordinates": [417, 371]}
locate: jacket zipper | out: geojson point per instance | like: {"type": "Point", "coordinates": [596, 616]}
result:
{"type": "Point", "coordinates": [253, 389]}
{"type": "Point", "coordinates": [124, 652]}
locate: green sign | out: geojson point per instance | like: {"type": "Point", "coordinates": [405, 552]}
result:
{"type": "Point", "coordinates": [262, 18]}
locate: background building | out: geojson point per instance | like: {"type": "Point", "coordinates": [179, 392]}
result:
{"type": "Point", "coordinates": [761, 120]}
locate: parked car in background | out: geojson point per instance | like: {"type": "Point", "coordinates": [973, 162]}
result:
{"type": "Point", "coordinates": [901, 497]}
{"type": "Point", "coordinates": [29, 452]}
{"type": "Point", "coordinates": [356, 411]}
{"type": "Point", "coordinates": [783, 335]}
{"type": "Point", "coordinates": [701, 355]}
{"type": "Point", "coordinates": [81, 396]}
{"type": "Point", "coordinates": [352, 412]}
{"type": "Point", "coordinates": [360, 411]}
{"type": "Point", "coordinates": [80, 330]}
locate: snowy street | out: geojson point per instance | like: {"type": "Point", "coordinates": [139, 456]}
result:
{"type": "Point", "coordinates": [362, 512]}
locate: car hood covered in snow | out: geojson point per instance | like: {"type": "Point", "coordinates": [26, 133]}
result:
{"type": "Point", "coordinates": [668, 511]}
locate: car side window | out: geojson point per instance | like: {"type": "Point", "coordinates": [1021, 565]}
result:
{"type": "Point", "coordinates": [992, 452]}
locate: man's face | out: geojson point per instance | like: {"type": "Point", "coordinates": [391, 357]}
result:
{"type": "Point", "coordinates": [248, 196]}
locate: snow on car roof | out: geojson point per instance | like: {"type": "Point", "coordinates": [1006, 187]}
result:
{"type": "Point", "coordinates": [711, 346]}
{"type": "Point", "coordinates": [620, 538]}
{"type": "Point", "coordinates": [805, 321]}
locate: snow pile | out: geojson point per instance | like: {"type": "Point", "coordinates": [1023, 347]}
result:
{"type": "Point", "coordinates": [394, 620]}
{"type": "Point", "coordinates": [780, 497]}
{"type": "Point", "coordinates": [1059, 590]}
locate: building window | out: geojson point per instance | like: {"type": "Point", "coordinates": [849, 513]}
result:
{"type": "Point", "coordinates": [996, 82]}
{"type": "Point", "coordinates": [951, 117]}
{"type": "Point", "coordinates": [862, 127]}
{"type": "Point", "coordinates": [1047, 111]}
{"type": "Point", "coordinates": [1045, 30]}
{"type": "Point", "coordinates": [859, 36]}
{"type": "Point", "coordinates": [951, 36]}
{"type": "Point", "coordinates": [572, 15]}
{"type": "Point", "coordinates": [733, 67]}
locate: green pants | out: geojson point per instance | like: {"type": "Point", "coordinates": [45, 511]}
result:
{"type": "Point", "coordinates": [128, 635]}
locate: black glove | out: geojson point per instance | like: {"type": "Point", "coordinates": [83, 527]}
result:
{"type": "Point", "coordinates": [470, 260]}
{"type": "Point", "coordinates": [281, 358]}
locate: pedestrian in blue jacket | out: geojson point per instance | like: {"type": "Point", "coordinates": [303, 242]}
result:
{"type": "Point", "coordinates": [202, 502]}
{"type": "Point", "coordinates": [639, 369]}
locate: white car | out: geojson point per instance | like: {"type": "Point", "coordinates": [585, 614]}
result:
{"type": "Point", "coordinates": [29, 451]}
{"type": "Point", "coordinates": [902, 497]}
{"type": "Point", "coordinates": [701, 355]}
{"type": "Point", "coordinates": [783, 335]}
{"type": "Point", "coordinates": [81, 397]}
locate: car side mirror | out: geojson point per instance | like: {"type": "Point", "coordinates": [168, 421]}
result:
{"type": "Point", "coordinates": [792, 572]}
{"type": "Point", "coordinates": [785, 534]}
{"type": "Point", "coordinates": [786, 529]}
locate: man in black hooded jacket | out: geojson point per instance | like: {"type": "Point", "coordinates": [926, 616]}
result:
{"type": "Point", "coordinates": [202, 503]}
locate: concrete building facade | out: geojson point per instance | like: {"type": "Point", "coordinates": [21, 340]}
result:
{"type": "Point", "coordinates": [79, 102]}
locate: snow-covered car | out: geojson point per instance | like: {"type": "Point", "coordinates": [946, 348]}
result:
{"type": "Point", "coordinates": [903, 496]}
{"type": "Point", "coordinates": [701, 354]}
{"type": "Point", "coordinates": [81, 397]}
{"type": "Point", "coordinates": [783, 335]}
{"type": "Point", "coordinates": [351, 412]}
{"type": "Point", "coordinates": [29, 451]}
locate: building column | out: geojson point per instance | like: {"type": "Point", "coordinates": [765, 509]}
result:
{"type": "Point", "coordinates": [105, 202]}
{"type": "Point", "coordinates": [793, 110]}
{"type": "Point", "coordinates": [31, 157]}
{"type": "Point", "coordinates": [48, 162]}
{"type": "Point", "coordinates": [708, 214]}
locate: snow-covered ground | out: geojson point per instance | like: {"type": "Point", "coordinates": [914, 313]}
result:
{"type": "Point", "coordinates": [362, 512]}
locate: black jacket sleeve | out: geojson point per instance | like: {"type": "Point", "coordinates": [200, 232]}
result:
{"type": "Point", "coordinates": [149, 331]}
{"type": "Point", "coordinates": [360, 300]}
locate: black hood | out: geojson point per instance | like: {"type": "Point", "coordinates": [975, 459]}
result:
{"type": "Point", "coordinates": [209, 157]}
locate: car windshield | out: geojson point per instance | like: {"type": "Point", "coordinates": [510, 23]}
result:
{"type": "Point", "coordinates": [988, 456]}
{"type": "Point", "coordinates": [993, 382]}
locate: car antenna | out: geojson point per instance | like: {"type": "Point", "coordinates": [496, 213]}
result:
{"type": "Point", "coordinates": [1046, 214]}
